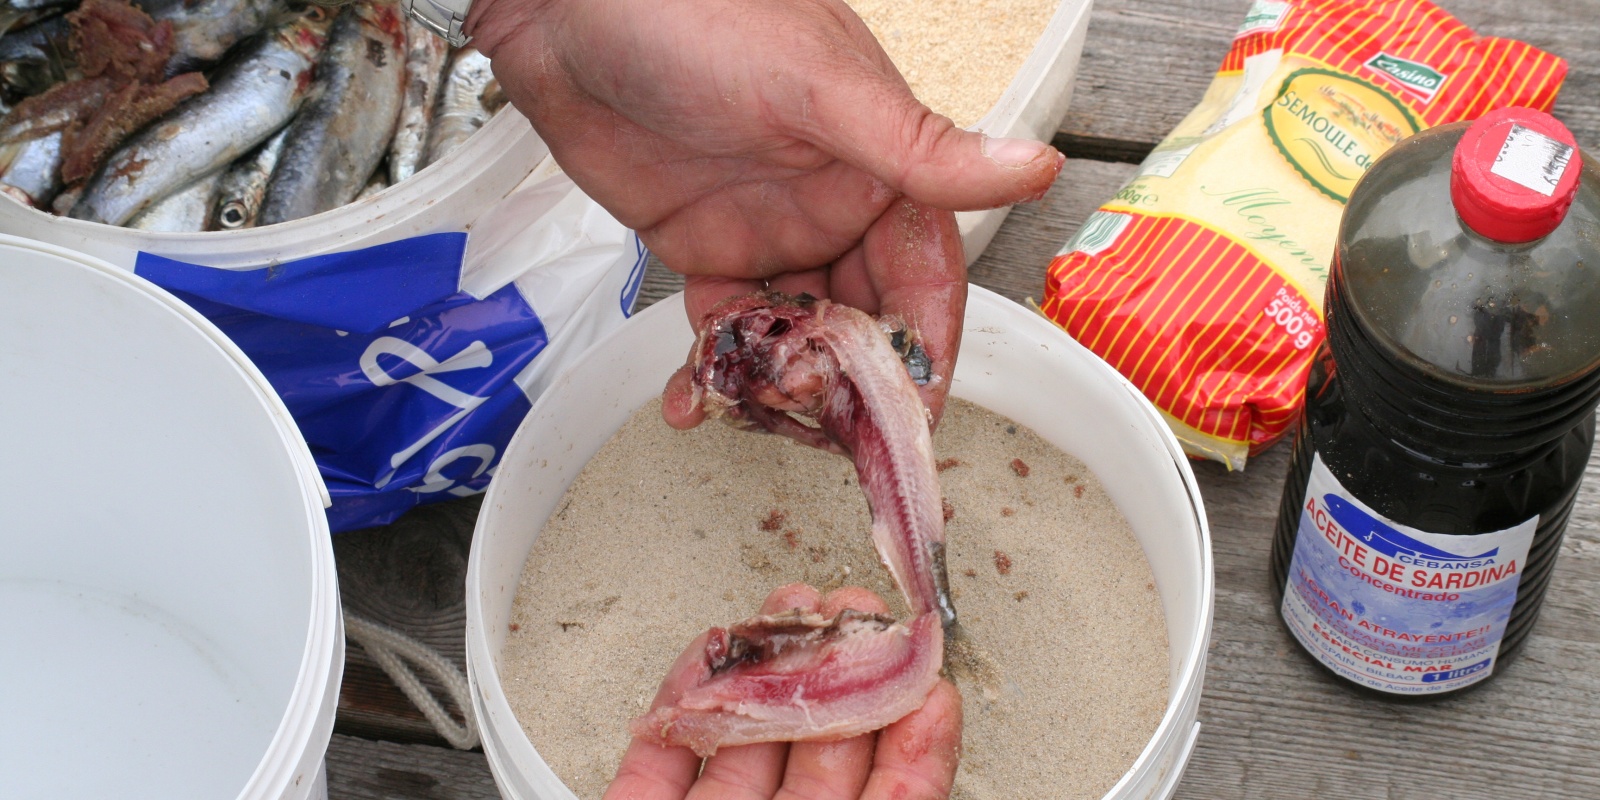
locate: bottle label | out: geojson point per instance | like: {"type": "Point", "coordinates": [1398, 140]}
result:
{"type": "Point", "coordinates": [1394, 608]}
{"type": "Point", "coordinates": [1532, 160]}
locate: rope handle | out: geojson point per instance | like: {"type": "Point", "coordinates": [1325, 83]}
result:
{"type": "Point", "coordinates": [392, 650]}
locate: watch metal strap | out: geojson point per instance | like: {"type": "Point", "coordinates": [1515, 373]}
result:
{"type": "Point", "coordinates": [441, 18]}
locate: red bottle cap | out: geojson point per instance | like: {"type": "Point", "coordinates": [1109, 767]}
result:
{"type": "Point", "coordinates": [1514, 174]}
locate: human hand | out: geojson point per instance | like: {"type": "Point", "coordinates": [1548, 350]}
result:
{"type": "Point", "coordinates": [756, 142]}
{"type": "Point", "coordinates": [913, 759]}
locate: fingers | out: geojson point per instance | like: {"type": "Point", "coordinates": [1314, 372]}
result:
{"type": "Point", "coordinates": [700, 294]}
{"type": "Point", "coordinates": [916, 758]}
{"type": "Point", "coordinates": [911, 264]}
{"type": "Point", "coordinates": [868, 117]}
{"type": "Point", "coordinates": [828, 770]}
{"type": "Point", "coordinates": [833, 770]}
{"type": "Point", "coordinates": [754, 770]}
{"type": "Point", "coordinates": [790, 597]}
{"type": "Point", "coordinates": [678, 406]}
{"type": "Point", "coordinates": [649, 771]}
{"type": "Point", "coordinates": [757, 221]}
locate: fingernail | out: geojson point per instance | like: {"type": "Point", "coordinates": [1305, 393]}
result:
{"type": "Point", "coordinates": [1012, 152]}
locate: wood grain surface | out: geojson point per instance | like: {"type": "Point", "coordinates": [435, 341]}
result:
{"type": "Point", "coordinates": [1273, 726]}
{"type": "Point", "coordinates": [1147, 62]}
{"type": "Point", "coordinates": [410, 576]}
{"type": "Point", "coordinates": [362, 769]}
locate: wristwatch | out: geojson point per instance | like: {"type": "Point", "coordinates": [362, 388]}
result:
{"type": "Point", "coordinates": [443, 17]}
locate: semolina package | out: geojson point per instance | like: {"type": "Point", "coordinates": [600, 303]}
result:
{"type": "Point", "coordinates": [1202, 279]}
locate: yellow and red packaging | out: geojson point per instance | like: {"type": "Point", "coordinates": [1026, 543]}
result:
{"type": "Point", "coordinates": [1201, 281]}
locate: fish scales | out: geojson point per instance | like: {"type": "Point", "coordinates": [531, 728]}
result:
{"type": "Point", "coordinates": [31, 168]}
{"type": "Point", "coordinates": [426, 56]}
{"type": "Point", "coordinates": [251, 96]}
{"type": "Point", "coordinates": [184, 211]}
{"type": "Point", "coordinates": [337, 140]}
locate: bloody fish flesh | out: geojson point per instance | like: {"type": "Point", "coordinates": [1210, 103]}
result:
{"type": "Point", "coordinates": [761, 361]}
{"type": "Point", "coordinates": [768, 678]}
{"type": "Point", "coordinates": [762, 358]}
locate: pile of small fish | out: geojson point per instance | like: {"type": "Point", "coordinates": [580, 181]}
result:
{"type": "Point", "coordinates": [192, 115]}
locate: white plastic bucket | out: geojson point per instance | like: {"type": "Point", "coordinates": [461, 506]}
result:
{"type": "Point", "coordinates": [171, 620]}
{"type": "Point", "coordinates": [449, 195]}
{"type": "Point", "coordinates": [1032, 107]}
{"type": "Point", "coordinates": [500, 169]}
{"type": "Point", "coordinates": [1012, 361]}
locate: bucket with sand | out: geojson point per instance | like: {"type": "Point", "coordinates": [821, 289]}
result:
{"type": "Point", "coordinates": [1078, 552]}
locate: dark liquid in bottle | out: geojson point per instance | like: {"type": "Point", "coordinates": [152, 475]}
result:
{"type": "Point", "coordinates": [1433, 494]}
{"type": "Point", "coordinates": [1456, 391]}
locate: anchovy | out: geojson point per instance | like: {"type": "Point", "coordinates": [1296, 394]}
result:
{"type": "Point", "coordinates": [251, 96]}
{"type": "Point", "coordinates": [32, 168]}
{"type": "Point", "coordinates": [183, 211]}
{"type": "Point", "coordinates": [460, 112]}
{"type": "Point", "coordinates": [204, 30]}
{"type": "Point", "coordinates": [426, 55]}
{"type": "Point", "coordinates": [338, 139]}
{"type": "Point", "coordinates": [243, 184]}
{"type": "Point", "coordinates": [36, 57]}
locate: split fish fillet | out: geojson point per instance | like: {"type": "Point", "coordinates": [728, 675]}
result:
{"type": "Point", "coordinates": [765, 362]}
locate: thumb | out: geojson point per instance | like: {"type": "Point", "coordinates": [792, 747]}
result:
{"type": "Point", "coordinates": [875, 124]}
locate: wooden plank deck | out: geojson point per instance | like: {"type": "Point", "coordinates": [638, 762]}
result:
{"type": "Point", "coordinates": [1273, 726]}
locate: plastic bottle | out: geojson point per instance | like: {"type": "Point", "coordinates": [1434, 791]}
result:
{"type": "Point", "coordinates": [1450, 413]}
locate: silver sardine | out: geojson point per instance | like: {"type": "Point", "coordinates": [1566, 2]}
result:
{"type": "Point", "coordinates": [204, 30]}
{"type": "Point", "coordinates": [460, 112]}
{"type": "Point", "coordinates": [32, 168]}
{"type": "Point", "coordinates": [250, 97]}
{"type": "Point", "coordinates": [337, 140]}
{"type": "Point", "coordinates": [183, 211]}
{"type": "Point", "coordinates": [426, 56]}
{"type": "Point", "coordinates": [244, 183]}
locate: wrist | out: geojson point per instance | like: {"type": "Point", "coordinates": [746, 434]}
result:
{"type": "Point", "coordinates": [491, 23]}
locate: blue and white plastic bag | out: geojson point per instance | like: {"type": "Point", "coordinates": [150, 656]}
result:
{"type": "Point", "coordinates": [408, 365]}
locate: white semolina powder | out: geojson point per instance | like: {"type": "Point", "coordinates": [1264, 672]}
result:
{"type": "Point", "coordinates": [958, 55]}
{"type": "Point", "coordinates": [667, 533]}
